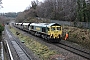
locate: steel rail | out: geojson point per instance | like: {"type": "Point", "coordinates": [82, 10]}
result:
{"type": "Point", "coordinates": [74, 50]}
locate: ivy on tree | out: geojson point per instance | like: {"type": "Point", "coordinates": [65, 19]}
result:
{"type": "Point", "coordinates": [1, 29]}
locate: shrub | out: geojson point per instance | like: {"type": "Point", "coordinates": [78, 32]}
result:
{"type": "Point", "coordinates": [1, 29]}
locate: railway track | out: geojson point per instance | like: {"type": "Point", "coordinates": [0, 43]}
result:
{"type": "Point", "coordinates": [21, 52]}
{"type": "Point", "coordinates": [69, 47]}
{"type": "Point", "coordinates": [74, 50]}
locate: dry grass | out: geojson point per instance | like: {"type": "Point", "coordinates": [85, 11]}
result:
{"type": "Point", "coordinates": [43, 52]}
{"type": "Point", "coordinates": [78, 35]}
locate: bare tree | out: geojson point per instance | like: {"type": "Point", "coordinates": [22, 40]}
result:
{"type": "Point", "coordinates": [0, 4]}
{"type": "Point", "coordinates": [1, 7]}
{"type": "Point", "coordinates": [20, 17]}
{"type": "Point", "coordinates": [57, 9]}
{"type": "Point", "coordinates": [52, 9]}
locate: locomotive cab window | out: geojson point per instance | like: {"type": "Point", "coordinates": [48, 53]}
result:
{"type": "Point", "coordinates": [52, 28]}
{"type": "Point", "coordinates": [58, 28]}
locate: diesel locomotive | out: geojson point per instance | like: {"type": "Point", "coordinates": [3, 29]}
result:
{"type": "Point", "coordinates": [49, 31]}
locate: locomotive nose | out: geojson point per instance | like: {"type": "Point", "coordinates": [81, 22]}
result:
{"type": "Point", "coordinates": [56, 34]}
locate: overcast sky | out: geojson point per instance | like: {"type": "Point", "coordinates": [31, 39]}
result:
{"type": "Point", "coordinates": [15, 5]}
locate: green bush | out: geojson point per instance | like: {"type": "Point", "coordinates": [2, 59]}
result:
{"type": "Point", "coordinates": [1, 28]}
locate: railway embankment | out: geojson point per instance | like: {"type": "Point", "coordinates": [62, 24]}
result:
{"type": "Point", "coordinates": [78, 36]}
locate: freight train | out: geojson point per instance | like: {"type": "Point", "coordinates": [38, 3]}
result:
{"type": "Point", "coordinates": [51, 32]}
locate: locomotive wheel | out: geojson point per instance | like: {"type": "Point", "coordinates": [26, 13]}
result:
{"type": "Point", "coordinates": [43, 36]}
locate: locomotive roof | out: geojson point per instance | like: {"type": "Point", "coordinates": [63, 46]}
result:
{"type": "Point", "coordinates": [18, 23]}
{"type": "Point", "coordinates": [43, 24]}
{"type": "Point", "coordinates": [26, 23]}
